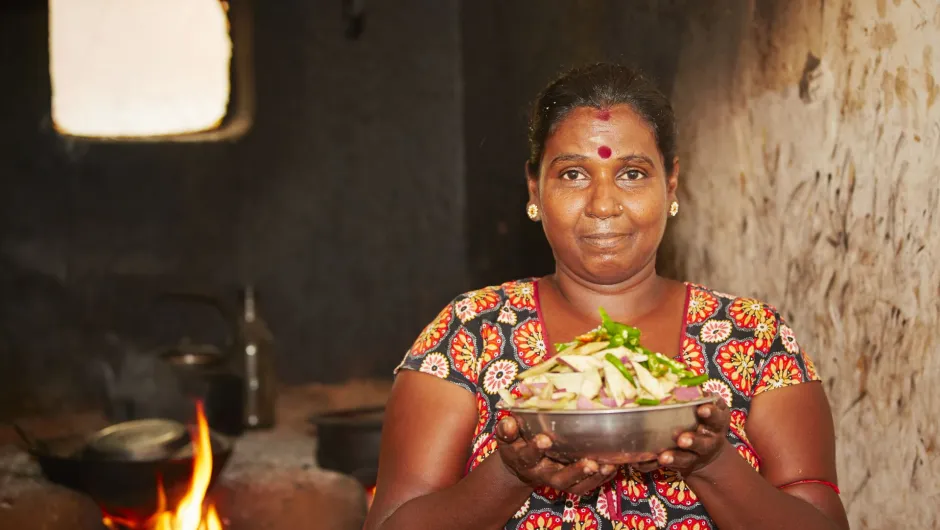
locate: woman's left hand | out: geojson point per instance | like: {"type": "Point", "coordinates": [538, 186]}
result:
{"type": "Point", "coordinates": [698, 448]}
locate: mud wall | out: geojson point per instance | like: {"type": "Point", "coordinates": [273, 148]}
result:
{"type": "Point", "coordinates": [811, 160]}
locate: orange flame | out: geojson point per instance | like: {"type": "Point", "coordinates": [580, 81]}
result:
{"type": "Point", "coordinates": [192, 512]}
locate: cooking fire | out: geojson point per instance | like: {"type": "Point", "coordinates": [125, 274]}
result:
{"type": "Point", "coordinates": [194, 511]}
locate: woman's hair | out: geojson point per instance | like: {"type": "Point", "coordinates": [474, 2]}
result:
{"type": "Point", "coordinates": [601, 86]}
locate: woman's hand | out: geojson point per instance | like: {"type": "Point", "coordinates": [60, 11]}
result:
{"type": "Point", "coordinates": [527, 461]}
{"type": "Point", "coordinates": [698, 448]}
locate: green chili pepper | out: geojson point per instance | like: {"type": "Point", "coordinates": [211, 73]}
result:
{"type": "Point", "coordinates": [631, 336]}
{"type": "Point", "coordinates": [646, 402]}
{"type": "Point", "coordinates": [693, 381]}
{"type": "Point", "coordinates": [615, 341]}
{"type": "Point", "coordinates": [562, 346]}
{"type": "Point", "coordinates": [613, 328]}
{"type": "Point", "coordinates": [612, 359]}
{"type": "Point", "coordinates": [674, 366]}
{"type": "Point", "coordinates": [656, 368]}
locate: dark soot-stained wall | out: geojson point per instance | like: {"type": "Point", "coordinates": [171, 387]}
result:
{"type": "Point", "coordinates": [344, 203]}
{"type": "Point", "coordinates": [351, 203]}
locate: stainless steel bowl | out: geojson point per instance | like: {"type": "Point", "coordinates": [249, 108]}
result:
{"type": "Point", "coordinates": [610, 436]}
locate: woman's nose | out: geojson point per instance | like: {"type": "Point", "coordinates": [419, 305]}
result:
{"type": "Point", "coordinates": [604, 202]}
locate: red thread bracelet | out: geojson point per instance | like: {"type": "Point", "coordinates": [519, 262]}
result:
{"type": "Point", "coordinates": [812, 481]}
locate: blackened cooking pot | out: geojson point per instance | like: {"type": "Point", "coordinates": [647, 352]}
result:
{"type": "Point", "coordinates": [127, 488]}
{"type": "Point", "coordinates": [348, 442]}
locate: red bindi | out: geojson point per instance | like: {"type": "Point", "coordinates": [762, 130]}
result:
{"type": "Point", "coordinates": [603, 151]}
{"type": "Point", "coordinates": [603, 114]}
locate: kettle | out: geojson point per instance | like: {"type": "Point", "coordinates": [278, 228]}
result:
{"type": "Point", "coordinates": [167, 382]}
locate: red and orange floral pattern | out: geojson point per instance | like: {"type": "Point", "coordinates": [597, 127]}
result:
{"type": "Point", "coordinates": [484, 338]}
{"type": "Point", "coordinates": [584, 519]}
{"type": "Point", "coordinates": [738, 419]}
{"type": "Point", "coordinates": [463, 351]}
{"type": "Point", "coordinates": [542, 521]}
{"type": "Point", "coordinates": [483, 452]}
{"type": "Point", "coordinates": [811, 374]}
{"type": "Point", "coordinates": [701, 305]}
{"type": "Point", "coordinates": [433, 333]}
{"type": "Point", "coordinates": [659, 512]}
{"type": "Point", "coordinates": [764, 333]}
{"type": "Point", "coordinates": [521, 295]}
{"type": "Point", "coordinates": [692, 523]}
{"type": "Point", "coordinates": [673, 489]}
{"type": "Point", "coordinates": [692, 356]}
{"type": "Point", "coordinates": [788, 339]}
{"type": "Point", "coordinates": [715, 331]}
{"type": "Point", "coordinates": [736, 361]}
{"type": "Point", "coordinates": [747, 312]}
{"type": "Point", "coordinates": [529, 343]}
{"type": "Point", "coordinates": [500, 375]}
{"type": "Point", "coordinates": [476, 303]}
{"type": "Point", "coordinates": [748, 455]}
{"type": "Point", "coordinates": [492, 343]}
{"type": "Point", "coordinates": [483, 414]}
{"type": "Point", "coordinates": [436, 364]}
{"type": "Point", "coordinates": [507, 315]}
{"type": "Point", "coordinates": [634, 485]}
{"type": "Point", "coordinates": [720, 388]}
{"type": "Point", "coordinates": [780, 371]}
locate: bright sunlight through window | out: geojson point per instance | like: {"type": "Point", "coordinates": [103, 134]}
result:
{"type": "Point", "coordinates": [138, 68]}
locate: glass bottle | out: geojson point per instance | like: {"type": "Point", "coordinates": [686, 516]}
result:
{"type": "Point", "coordinates": [257, 343]}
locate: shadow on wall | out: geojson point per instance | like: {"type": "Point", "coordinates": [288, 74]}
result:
{"type": "Point", "coordinates": [346, 204]}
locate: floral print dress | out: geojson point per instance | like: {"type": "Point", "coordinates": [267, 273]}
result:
{"type": "Point", "coordinates": [484, 338]}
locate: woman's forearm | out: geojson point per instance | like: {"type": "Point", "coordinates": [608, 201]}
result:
{"type": "Point", "coordinates": [486, 498]}
{"type": "Point", "coordinates": [737, 497]}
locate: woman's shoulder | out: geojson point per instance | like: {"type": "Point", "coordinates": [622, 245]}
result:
{"type": "Point", "coordinates": [504, 303]}
{"type": "Point", "coordinates": [705, 303]}
{"type": "Point", "coordinates": [746, 329]}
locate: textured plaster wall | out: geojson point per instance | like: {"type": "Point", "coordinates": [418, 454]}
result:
{"type": "Point", "coordinates": [819, 192]}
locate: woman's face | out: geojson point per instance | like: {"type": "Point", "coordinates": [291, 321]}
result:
{"type": "Point", "coordinates": [603, 193]}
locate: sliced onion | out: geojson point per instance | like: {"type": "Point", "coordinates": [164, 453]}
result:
{"type": "Point", "coordinates": [686, 393]}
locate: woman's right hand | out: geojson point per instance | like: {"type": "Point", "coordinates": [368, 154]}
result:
{"type": "Point", "coordinates": [527, 461]}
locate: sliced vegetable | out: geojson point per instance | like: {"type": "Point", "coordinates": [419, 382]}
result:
{"type": "Point", "coordinates": [618, 387]}
{"type": "Point", "coordinates": [592, 384]}
{"type": "Point", "coordinates": [648, 382]}
{"type": "Point", "coordinates": [656, 367]}
{"type": "Point", "coordinates": [693, 381]}
{"type": "Point", "coordinates": [580, 363]}
{"type": "Point", "coordinates": [612, 359]}
{"type": "Point", "coordinates": [592, 347]}
{"type": "Point", "coordinates": [570, 382]}
{"type": "Point", "coordinates": [604, 368]}
{"type": "Point", "coordinates": [540, 368]}
{"type": "Point", "coordinates": [674, 366]}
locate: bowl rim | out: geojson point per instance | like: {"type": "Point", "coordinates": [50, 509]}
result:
{"type": "Point", "coordinates": [614, 411]}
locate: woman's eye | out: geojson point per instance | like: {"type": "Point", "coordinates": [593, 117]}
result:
{"type": "Point", "coordinates": [634, 174]}
{"type": "Point", "coordinates": [571, 174]}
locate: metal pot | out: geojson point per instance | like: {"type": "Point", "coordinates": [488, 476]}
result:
{"type": "Point", "coordinates": [348, 442]}
{"type": "Point", "coordinates": [125, 487]}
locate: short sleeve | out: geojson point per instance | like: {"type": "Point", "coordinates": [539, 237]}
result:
{"type": "Point", "coordinates": [444, 349]}
{"type": "Point", "coordinates": [784, 362]}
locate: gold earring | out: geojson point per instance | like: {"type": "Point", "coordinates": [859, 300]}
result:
{"type": "Point", "coordinates": [673, 208]}
{"type": "Point", "coordinates": [532, 211]}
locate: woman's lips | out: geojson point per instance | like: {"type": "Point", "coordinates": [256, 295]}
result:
{"type": "Point", "coordinates": [604, 240]}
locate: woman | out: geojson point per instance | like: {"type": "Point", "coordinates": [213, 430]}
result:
{"type": "Point", "coordinates": [602, 176]}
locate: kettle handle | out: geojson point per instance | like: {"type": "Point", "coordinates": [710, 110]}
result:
{"type": "Point", "coordinates": [226, 311]}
